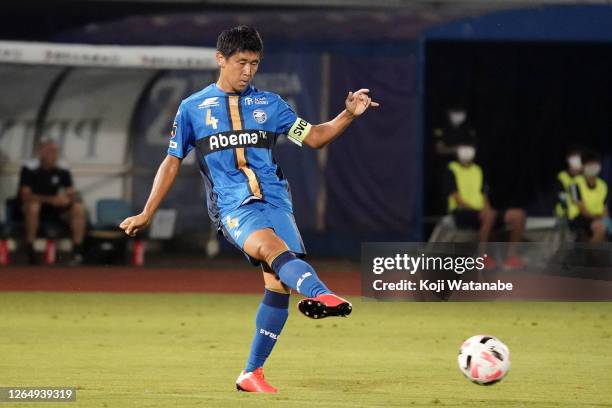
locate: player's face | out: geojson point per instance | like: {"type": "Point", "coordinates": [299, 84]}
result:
{"type": "Point", "coordinates": [238, 70]}
{"type": "Point", "coordinates": [48, 154]}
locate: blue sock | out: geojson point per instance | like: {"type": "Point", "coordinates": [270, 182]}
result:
{"type": "Point", "coordinates": [298, 275]}
{"type": "Point", "coordinates": [271, 317]}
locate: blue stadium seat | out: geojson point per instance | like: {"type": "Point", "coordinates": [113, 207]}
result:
{"type": "Point", "coordinates": [110, 212]}
{"type": "Point", "coordinates": [106, 243]}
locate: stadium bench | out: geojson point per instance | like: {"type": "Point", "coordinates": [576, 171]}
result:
{"type": "Point", "coordinates": [541, 229]}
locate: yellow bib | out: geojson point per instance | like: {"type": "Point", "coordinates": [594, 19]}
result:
{"type": "Point", "coordinates": [592, 198]}
{"type": "Point", "coordinates": [469, 185]}
{"type": "Point", "coordinates": [571, 210]}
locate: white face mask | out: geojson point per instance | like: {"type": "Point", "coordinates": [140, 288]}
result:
{"type": "Point", "coordinates": [457, 117]}
{"type": "Point", "coordinates": [592, 169]}
{"type": "Point", "coordinates": [574, 162]}
{"type": "Point", "coordinates": [466, 154]}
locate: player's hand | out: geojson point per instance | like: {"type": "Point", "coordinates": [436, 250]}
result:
{"type": "Point", "coordinates": [132, 225]}
{"type": "Point", "coordinates": [358, 102]}
{"type": "Point", "coordinates": [60, 200]}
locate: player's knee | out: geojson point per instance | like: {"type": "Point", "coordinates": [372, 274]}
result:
{"type": "Point", "coordinates": [516, 217]}
{"type": "Point", "coordinates": [32, 209]}
{"type": "Point", "coordinates": [488, 214]}
{"type": "Point", "coordinates": [598, 227]}
{"type": "Point", "coordinates": [269, 248]}
{"type": "Point", "coordinates": [77, 210]}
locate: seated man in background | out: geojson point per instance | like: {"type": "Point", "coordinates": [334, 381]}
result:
{"type": "Point", "coordinates": [470, 207]}
{"type": "Point", "coordinates": [453, 132]}
{"type": "Point", "coordinates": [590, 193]}
{"type": "Point", "coordinates": [46, 193]}
{"type": "Point", "coordinates": [565, 179]}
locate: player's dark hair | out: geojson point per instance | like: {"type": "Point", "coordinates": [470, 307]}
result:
{"type": "Point", "coordinates": [573, 148]}
{"type": "Point", "coordinates": [454, 107]}
{"type": "Point", "coordinates": [590, 155]}
{"type": "Point", "coordinates": [237, 39]}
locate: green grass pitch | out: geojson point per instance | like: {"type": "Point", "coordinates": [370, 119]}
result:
{"type": "Point", "coordinates": [185, 350]}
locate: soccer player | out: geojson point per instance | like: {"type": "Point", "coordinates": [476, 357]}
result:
{"type": "Point", "coordinates": [233, 128]}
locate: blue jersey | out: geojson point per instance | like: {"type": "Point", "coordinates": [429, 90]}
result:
{"type": "Point", "coordinates": [234, 135]}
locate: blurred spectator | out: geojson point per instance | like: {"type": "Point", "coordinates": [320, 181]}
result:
{"type": "Point", "coordinates": [453, 132]}
{"type": "Point", "coordinates": [565, 205]}
{"type": "Point", "coordinates": [47, 194]}
{"type": "Point", "coordinates": [470, 207]}
{"type": "Point", "coordinates": [590, 193]}
{"type": "Point", "coordinates": [446, 135]}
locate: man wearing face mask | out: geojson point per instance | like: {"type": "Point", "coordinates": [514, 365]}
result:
{"type": "Point", "coordinates": [590, 193]}
{"type": "Point", "coordinates": [470, 207]}
{"type": "Point", "coordinates": [455, 131]}
{"type": "Point", "coordinates": [565, 206]}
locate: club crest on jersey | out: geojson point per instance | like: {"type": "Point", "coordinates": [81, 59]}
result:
{"type": "Point", "coordinates": [260, 116]}
{"type": "Point", "coordinates": [209, 103]}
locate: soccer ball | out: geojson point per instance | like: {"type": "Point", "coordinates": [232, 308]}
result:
{"type": "Point", "coordinates": [484, 359]}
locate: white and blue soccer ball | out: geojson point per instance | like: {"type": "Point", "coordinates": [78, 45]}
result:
{"type": "Point", "coordinates": [484, 359]}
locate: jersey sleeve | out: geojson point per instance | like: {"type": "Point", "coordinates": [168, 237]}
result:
{"type": "Point", "coordinates": [182, 139]}
{"type": "Point", "coordinates": [288, 123]}
{"type": "Point", "coordinates": [66, 179]}
{"type": "Point", "coordinates": [26, 178]}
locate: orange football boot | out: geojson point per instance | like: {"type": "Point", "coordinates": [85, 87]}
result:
{"type": "Point", "coordinates": [254, 382]}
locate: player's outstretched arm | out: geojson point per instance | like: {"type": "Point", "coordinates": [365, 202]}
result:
{"type": "Point", "coordinates": [166, 174]}
{"type": "Point", "coordinates": [356, 104]}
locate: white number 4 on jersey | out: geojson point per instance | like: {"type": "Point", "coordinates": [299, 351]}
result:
{"type": "Point", "coordinates": [211, 120]}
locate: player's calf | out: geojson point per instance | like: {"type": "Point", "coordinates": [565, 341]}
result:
{"type": "Point", "coordinates": [298, 275]}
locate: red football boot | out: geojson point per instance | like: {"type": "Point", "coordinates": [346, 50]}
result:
{"type": "Point", "coordinates": [254, 382]}
{"type": "Point", "coordinates": [514, 262]}
{"type": "Point", "coordinates": [325, 306]}
{"type": "Point", "coordinates": [489, 263]}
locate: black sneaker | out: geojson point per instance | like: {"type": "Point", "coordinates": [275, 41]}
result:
{"type": "Point", "coordinates": [31, 254]}
{"type": "Point", "coordinates": [76, 259]}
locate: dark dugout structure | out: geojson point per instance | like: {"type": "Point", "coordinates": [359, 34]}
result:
{"type": "Point", "coordinates": [532, 80]}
